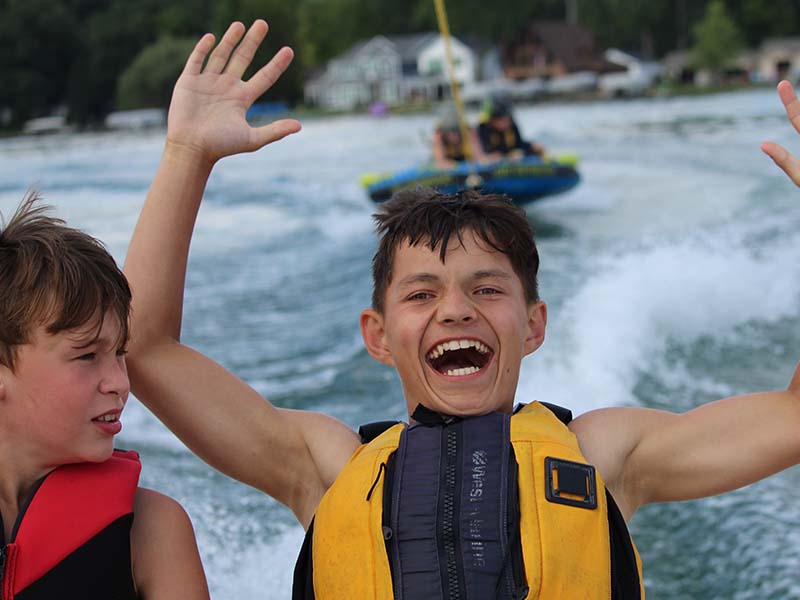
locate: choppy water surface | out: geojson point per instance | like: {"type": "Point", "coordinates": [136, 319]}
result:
{"type": "Point", "coordinates": [672, 275]}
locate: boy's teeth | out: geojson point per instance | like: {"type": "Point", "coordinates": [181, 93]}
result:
{"type": "Point", "coordinates": [107, 418]}
{"type": "Point", "coordinates": [456, 345]}
{"type": "Point", "coordinates": [462, 372]}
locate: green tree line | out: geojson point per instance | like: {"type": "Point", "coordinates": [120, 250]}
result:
{"type": "Point", "coordinates": [95, 56]}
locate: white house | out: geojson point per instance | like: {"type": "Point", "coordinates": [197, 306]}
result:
{"type": "Point", "coordinates": [638, 77]}
{"type": "Point", "coordinates": [390, 69]}
{"type": "Point", "coordinates": [779, 58]}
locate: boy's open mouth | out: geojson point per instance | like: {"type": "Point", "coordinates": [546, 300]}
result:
{"type": "Point", "coordinates": [459, 357]}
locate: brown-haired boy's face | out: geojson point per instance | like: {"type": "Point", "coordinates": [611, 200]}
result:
{"type": "Point", "coordinates": [456, 332]}
{"type": "Point", "coordinates": [66, 393]}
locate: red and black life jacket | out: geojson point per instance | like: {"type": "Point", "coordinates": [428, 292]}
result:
{"type": "Point", "coordinates": [72, 538]}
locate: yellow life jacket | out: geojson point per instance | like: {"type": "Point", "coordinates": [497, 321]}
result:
{"type": "Point", "coordinates": [574, 541]}
{"type": "Point", "coordinates": [494, 140]}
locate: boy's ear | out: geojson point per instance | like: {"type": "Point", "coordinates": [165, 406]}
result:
{"type": "Point", "coordinates": [537, 322]}
{"type": "Point", "coordinates": [374, 334]}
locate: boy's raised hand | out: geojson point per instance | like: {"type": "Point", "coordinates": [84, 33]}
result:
{"type": "Point", "coordinates": [781, 156]}
{"type": "Point", "coordinates": [209, 104]}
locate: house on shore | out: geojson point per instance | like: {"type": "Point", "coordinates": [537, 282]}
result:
{"type": "Point", "coordinates": [639, 76]}
{"type": "Point", "coordinates": [547, 58]}
{"type": "Point", "coordinates": [779, 58]}
{"type": "Point", "coordinates": [390, 69]}
{"type": "Point", "coordinates": [552, 49]}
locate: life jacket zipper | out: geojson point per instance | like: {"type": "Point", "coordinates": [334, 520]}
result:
{"type": "Point", "coordinates": [452, 576]}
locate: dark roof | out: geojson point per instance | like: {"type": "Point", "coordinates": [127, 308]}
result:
{"type": "Point", "coordinates": [353, 50]}
{"type": "Point", "coordinates": [408, 46]}
{"type": "Point", "coordinates": [572, 44]}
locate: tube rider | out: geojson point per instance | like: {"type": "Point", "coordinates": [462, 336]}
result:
{"type": "Point", "coordinates": [499, 135]}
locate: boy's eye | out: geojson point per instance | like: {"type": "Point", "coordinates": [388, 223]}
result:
{"type": "Point", "coordinates": [488, 291]}
{"type": "Point", "coordinates": [420, 296]}
{"type": "Point", "coordinates": [87, 356]}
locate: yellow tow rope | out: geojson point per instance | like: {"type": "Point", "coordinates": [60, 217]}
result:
{"type": "Point", "coordinates": [444, 29]}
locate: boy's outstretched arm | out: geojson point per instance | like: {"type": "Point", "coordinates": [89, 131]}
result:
{"type": "Point", "coordinates": [291, 455]}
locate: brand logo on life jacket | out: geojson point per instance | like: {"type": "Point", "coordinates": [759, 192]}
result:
{"type": "Point", "coordinates": [476, 521]}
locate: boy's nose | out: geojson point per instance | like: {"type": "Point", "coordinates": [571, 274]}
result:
{"type": "Point", "coordinates": [115, 378]}
{"type": "Point", "coordinates": [455, 307]}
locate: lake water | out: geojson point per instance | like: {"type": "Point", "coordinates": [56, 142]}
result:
{"type": "Point", "coordinates": [672, 275]}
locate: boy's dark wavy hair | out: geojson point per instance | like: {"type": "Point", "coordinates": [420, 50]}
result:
{"type": "Point", "coordinates": [425, 216]}
{"type": "Point", "coordinates": [54, 276]}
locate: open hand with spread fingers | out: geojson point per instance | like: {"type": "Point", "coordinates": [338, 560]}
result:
{"type": "Point", "coordinates": [782, 157]}
{"type": "Point", "coordinates": [209, 103]}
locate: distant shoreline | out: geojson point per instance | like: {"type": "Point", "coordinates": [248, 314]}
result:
{"type": "Point", "coordinates": [303, 112]}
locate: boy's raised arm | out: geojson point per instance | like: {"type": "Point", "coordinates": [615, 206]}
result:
{"type": "Point", "coordinates": [217, 415]}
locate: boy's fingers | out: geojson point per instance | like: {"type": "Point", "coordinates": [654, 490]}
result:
{"type": "Point", "coordinates": [243, 55]}
{"type": "Point", "coordinates": [267, 75]}
{"type": "Point", "coordinates": [788, 163]}
{"type": "Point", "coordinates": [790, 103]}
{"type": "Point", "coordinates": [194, 64]}
{"type": "Point", "coordinates": [219, 57]}
{"type": "Point", "coordinates": [273, 132]}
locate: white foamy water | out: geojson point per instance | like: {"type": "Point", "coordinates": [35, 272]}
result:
{"type": "Point", "coordinates": [672, 275]}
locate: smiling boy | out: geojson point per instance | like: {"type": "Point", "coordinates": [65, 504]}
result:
{"type": "Point", "coordinates": [418, 319]}
{"type": "Point", "coordinates": [67, 498]}
{"type": "Point", "coordinates": [468, 500]}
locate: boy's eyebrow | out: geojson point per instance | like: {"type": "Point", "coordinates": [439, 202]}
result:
{"type": "Point", "coordinates": [84, 342]}
{"type": "Point", "coordinates": [491, 274]}
{"type": "Point", "coordinates": [81, 340]}
{"type": "Point", "coordinates": [416, 278]}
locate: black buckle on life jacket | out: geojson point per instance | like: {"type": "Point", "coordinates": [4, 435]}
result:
{"type": "Point", "coordinates": [430, 418]}
{"type": "Point", "coordinates": [570, 483]}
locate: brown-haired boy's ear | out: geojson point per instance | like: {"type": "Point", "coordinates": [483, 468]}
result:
{"type": "Point", "coordinates": [537, 322]}
{"type": "Point", "coordinates": [374, 335]}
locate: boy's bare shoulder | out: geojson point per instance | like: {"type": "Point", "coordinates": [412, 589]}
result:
{"type": "Point", "coordinates": [159, 519]}
{"type": "Point", "coordinates": [609, 437]}
{"type": "Point", "coordinates": [152, 506]}
{"type": "Point", "coordinates": [165, 559]}
{"type": "Point", "coordinates": [614, 429]}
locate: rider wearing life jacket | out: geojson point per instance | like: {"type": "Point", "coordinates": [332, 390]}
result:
{"type": "Point", "coordinates": [73, 521]}
{"type": "Point", "coordinates": [447, 145]}
{"type": "Point", "coordinates": [499, 135]}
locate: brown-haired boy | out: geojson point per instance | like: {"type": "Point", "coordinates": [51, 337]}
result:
{"type": "Point", "coordinates": [74, 521]}
{"type": "Point", "coordinates": [467, 501]}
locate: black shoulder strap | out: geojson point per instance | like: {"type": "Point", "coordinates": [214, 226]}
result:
{"type": "Point", "coordinates": [303, 583]}
{"type": "Point", "coordinates": [370, 431]}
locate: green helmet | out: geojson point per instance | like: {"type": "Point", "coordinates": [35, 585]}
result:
{"type": "Point", "coordinates": [496, 106]}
